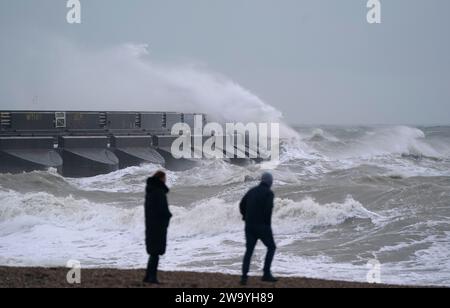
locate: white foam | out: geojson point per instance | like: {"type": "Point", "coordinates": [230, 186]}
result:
{"type": "Point", "coordinates": [307, 213]}
{"type": "Point", "coordinates": [399, 150]}
{"type": "Point", "coordinates": [39, 228]}
{"type": "Point", "coordinates": [398, 140]}
{"type": "Point", "coordinates": [131, 179]}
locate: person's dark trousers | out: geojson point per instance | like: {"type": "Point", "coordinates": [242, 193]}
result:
{"type": "Point", "coordinates": [253, 234]}
{"type": "Point", "coordinates": [152, 268]}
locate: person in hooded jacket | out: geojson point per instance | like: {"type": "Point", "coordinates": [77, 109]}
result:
{"type": "Point", "coordinates": [157, 218]}
{"type": "Point", "coordinates": [256, 208]}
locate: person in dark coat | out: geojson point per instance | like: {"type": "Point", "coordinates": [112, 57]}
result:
{"type": "Point", "coordinates": [256, 208]}
{"type": "Point", "coordinates": [157, 217]}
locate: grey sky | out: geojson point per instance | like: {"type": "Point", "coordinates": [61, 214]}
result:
{"type": "Point", "coordinates": [317, 61]}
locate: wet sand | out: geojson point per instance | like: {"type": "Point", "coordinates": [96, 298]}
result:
{"type": "Point", "coordinates": [20, 277]}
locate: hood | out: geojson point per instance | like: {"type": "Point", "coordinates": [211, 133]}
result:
{"type": "Point", "coordinates": [155, 183]}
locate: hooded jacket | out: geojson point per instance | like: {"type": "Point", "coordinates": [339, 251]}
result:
{"type": "Point", "coordinates": [257, 205]}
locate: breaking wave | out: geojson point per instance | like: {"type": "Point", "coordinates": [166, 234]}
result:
{"type": "Point", "coordinates": [61, 228]}
{"type": "Point", "coordinates": [128, 77]}
{"type": "Point", "coordinates": [24, 212]}
{"type": "Point", "coordinates": [400, 140]}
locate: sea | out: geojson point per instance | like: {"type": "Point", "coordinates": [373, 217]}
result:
{"type": "Point", "coordinates": [347, 197]}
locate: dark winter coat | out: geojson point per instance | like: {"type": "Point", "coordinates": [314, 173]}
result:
{"type": "Point", "coordinates": [257, 206]}
{"type": "Point", "coordinates": [157, 216]}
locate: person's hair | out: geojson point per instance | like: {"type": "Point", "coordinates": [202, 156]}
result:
{"type": "Point", "coordinates": [159, 175]}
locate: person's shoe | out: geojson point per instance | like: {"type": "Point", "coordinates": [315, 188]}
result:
{"type": "Point", "coordinates": [269, 278]}
{"type": "Point", "coordinates": [151, 280]}
{"type": "Point", "coordinates": [244, 281]}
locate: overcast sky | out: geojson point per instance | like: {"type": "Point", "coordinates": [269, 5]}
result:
{"type": "Point", "coordinates": [317, 61]}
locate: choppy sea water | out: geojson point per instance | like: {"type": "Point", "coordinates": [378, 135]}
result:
{"type": "Point", "coordinates": [344, 196]}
